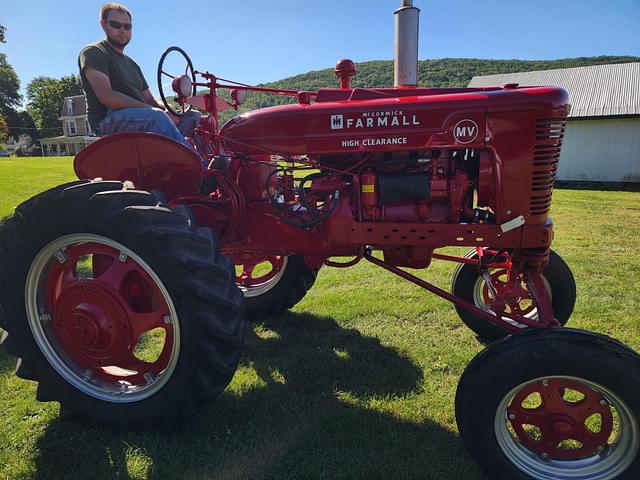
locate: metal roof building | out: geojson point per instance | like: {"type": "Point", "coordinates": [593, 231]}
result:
{"type": "Point", "coordinates": [602, 138]}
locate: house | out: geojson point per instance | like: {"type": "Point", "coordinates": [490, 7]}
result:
{"type": "Point", "coordinates": [75, 125]}
{"type": "Point", "coordinates": [602, 136]}
{"type": "Point", "coordinates": [13, 145]}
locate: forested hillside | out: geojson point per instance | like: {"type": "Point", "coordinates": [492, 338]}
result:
{"type": "Point", "coordinates": [445, 72]}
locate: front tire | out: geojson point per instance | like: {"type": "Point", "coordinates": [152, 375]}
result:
{"type": "Point", "coordinates": [470, 286]}
{"type": "Point", "coordinates": [554, 403]}
{"type": "Point", "coordinates": [119, 307]}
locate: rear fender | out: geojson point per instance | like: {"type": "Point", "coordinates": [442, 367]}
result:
{"type": "Point", "coordinates": [149, 160]}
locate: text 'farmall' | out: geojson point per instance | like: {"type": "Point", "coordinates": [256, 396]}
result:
{"type": "Point", "coordinates": [394, 118]}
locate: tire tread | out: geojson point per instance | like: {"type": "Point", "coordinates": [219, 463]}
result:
{"type": "Point", "coordinates": [169, 241]}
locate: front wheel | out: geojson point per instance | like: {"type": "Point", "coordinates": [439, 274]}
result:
{"type": "Point", "coordinates": [119, 307]}
{"type": "Point", "coordinates": [468, 284]}
{"type": "Point", "coordinates": [550, 404]}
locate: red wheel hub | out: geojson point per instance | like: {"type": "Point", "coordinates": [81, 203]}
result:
{"type": "Point", "coordinates": [92, 325]}
{"type": "Point", "coordinates": [511, 293]}
{"type": "Point", "coordinates": [101, 303]}
{"type": "Point", "coordinates": [249, 276]}
{"type": "Point", "coordinates": [564, 419]}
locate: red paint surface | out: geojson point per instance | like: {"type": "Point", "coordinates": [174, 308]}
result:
{"type": "Point", "coordinates": [98, 320]}
{"type": "Point", "coordinates": [559, 419]}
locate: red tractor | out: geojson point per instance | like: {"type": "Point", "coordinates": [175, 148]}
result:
{"type": "Point", "coordinates": [144, 246]}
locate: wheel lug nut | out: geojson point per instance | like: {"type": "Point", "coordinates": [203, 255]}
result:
{"type": "Point", "coordinates": [122, 257]}
{"type": "Point", "coordinates": [167, 319]}
{"type": "Point", "coordinates": [603, 402]}
{"type": "Point", "coordinates": [88, 374]}
{"type": "Point", "coordinates": [60, 256]}
{"type": "Point", "coordinates": [512, 416]}
{"type": "Point", "coordinates": [545, 383]}
{"type": "Point", "coordinates": [600, 448]}
{"type": "Point", "coordinates": [544, 455]}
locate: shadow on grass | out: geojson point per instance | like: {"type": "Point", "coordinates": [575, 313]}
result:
{"type": "Point", "coordinates": [303, 408]}
{"type": "Point", "coordinates": [7, 362]}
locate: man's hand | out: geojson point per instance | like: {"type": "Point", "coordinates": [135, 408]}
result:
{"type": "Point", "coordinates": [153, 102]}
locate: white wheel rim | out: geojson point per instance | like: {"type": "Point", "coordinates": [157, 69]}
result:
{"type": "Point", "coordinates": [620, 454]}
{"type": "Point", "coordinates": [264, 287]}
{"type": "Point", "coordinates": [66, 368]}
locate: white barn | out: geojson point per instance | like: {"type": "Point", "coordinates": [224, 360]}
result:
{"type": "Point", "coordinates": [602, 138]}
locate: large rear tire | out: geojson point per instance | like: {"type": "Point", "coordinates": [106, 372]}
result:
{"type": "Point", "coordinates": [119, 307]}
{"type": "Point", "coordinates": [552, 403]}
{"type": "Point", "coordinates": [469, 285]}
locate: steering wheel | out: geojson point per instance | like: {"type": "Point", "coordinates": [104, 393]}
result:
{"type": "Point", "coordinates": [177, 81]}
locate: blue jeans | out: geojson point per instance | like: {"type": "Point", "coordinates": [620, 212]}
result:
{"type": "Point", "coordinates": [152, 120]}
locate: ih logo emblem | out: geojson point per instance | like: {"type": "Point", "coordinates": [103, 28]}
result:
{"type": "Point", "coordinates": [337, 122]}
{"type": "Point", "coordinates": [465, 131]}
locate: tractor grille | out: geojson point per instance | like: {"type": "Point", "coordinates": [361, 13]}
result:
{"type": "Point", "coordinates": [546, 155]}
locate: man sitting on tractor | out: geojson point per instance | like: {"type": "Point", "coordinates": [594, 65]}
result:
{"type": "Point", "coordinates": [118, 96]}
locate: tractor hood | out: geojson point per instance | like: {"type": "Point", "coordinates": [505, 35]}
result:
{"type": "Point", "coordinates": [351, 120]}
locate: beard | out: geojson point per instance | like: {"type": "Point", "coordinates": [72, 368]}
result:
{"type": "Point", "coordinates": [117, 42]}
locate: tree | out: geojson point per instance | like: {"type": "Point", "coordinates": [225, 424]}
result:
{"type": "Point", "coordinates": [9, 86]}
{"type": "Point", "coordinates": [4, 131]}
{"type": "Point", "coordinates": [9, 83]}
{"type": "Point", "coordinates": [45, 96]}
{"type": "Point", "coordinates": [19, 123]}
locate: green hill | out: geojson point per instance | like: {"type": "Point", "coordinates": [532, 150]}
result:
{"type": "Point", "coordinates": [445, 72]}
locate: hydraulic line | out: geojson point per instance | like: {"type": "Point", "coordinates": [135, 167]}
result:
{"type": "Point", "coordinates": [316, 216]}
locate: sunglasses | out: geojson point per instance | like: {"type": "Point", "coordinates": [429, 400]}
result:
{"type": "Point", "coordinates": [117, 25]}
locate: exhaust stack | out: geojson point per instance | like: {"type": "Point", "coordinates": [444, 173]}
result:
{"type": "Point", "coordinates": [405, 72]}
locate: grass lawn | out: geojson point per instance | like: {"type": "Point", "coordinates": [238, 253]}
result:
{"type": "Point", "coordinates": [357, 381]}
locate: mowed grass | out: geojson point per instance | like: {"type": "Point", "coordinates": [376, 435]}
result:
{"type": "Point", "coordinates": [357, 381]}
{"type": "Point", "coordinates": [22, 178]}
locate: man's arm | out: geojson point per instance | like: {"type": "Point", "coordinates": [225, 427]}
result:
{"type": "Point", "coordinates": [148, 98]}
{"type": "Point", "coordinates": [101, 86]}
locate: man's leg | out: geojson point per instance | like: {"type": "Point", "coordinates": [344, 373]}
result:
{"type": "Point", "coordinates": [187, 125]}
{"type": "Point", "coordinates": [189, 122]}
{"type": "Point", "coordinates": [151, 120]}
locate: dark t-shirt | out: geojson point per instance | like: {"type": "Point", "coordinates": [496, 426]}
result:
{"type": "Point", "coordinates": [125, 75]}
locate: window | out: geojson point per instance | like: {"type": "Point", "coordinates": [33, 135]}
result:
{"type": "Point", "coordinates": [71, 127]}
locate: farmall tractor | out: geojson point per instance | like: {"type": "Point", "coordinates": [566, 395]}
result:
{"type": "Point", "coordinates": [189, 243]}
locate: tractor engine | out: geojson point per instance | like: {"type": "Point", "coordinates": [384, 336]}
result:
{"type": "Point", "coordinates": [436, 187]}
{"type": "Point", "coordinates": [317, 201]}
{"type": "Point", "coordinates": [429, 186]}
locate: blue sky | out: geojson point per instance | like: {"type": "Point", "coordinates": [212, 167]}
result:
{"type": "Point", "coordinates": [262, 40]}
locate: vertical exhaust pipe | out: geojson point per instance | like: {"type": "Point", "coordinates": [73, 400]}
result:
{"type": "Point", "coordinates": [405, 72]}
